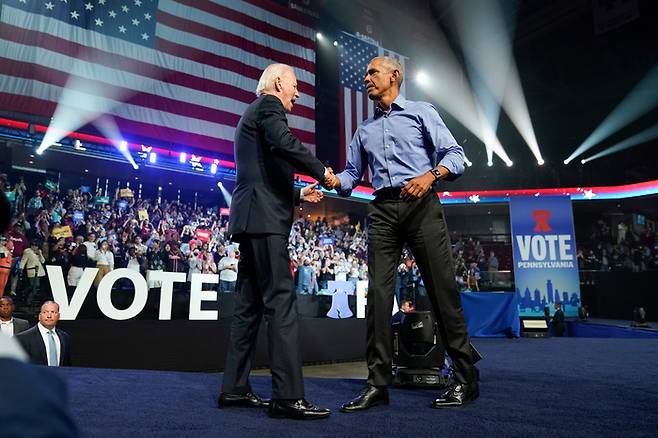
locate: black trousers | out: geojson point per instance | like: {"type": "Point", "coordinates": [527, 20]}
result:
{"type": "Point", "coordinates": [265, 286]}
{"type": "Point", "coordinates": [421, 225]}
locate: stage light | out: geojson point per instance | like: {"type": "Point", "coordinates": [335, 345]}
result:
{"type": "Point", "coordinates": [509, 164]}
{"type": "Point", "coordinates": [491, 68]}
{"type": "Point", "coordinates": [77, 145]}
{"type": "Point", "coordinates": [335, 43]}
{"type": "Point", "coordinates": [182, 158]}
{"type": "Point", "coordinates": [467, 161]}
{"type": "Point", "coordinates": [642, 99]}
{"type": "Point", "coordinates": [583, 161]}
{"type": "Point", "coordinates": [490, 163]}
{"type": "Point", "coordinates": [152, 157]}
{"type": "Point", "coordinates": [422, 79]}
{"type": "Point", "coordinates": [540, 162]}
{"type": "Point", "coordinates": [639, 138]}
{"type": "Point", "coordinates": [109, 128]}
{"type": "Point", "coordinates": [566, 162]}
{"type": "Point", "coordinates": [319, 36]}
{"type": "Point", "coordinates": [213, 168]}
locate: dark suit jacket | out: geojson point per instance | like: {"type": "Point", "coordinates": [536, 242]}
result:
{"type": "Point", "coordinates": [266, 157]}
{"type": "Point", "coordinates": [32, 343]}
{"type": "Point", "coordinates": [38, 401]}
{"type": "Point", "coordinates": [20, 325]}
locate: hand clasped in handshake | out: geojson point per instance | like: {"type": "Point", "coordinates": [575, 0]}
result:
{"type": "Point", "coordinates": [331, 181]}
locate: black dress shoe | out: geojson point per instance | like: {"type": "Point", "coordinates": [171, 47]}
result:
{"type": "Point", "coordinates": [457, 394]}
{"type": "Point", "coordinates": [368, 397]}
{"type": "Point", "coordinates": [248, 400]}
{"type": "Point", "coordinates": [297, 409]}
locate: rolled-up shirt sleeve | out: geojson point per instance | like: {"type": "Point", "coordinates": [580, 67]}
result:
{"type": "Point", "coordinates": [449, 153]}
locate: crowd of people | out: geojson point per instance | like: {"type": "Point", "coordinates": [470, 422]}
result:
{"type": "Point", "coordinates": [73, 230]}
{"type": "Point", "coordinates": [620, 248]}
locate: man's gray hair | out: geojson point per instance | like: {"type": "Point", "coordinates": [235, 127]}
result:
{"type": "Point", "coordinates": [391, 64]}
{"type": "Point", "coordinates": [271, 72]}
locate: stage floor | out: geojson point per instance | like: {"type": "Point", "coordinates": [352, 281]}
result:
{"type": "Point", "coordinates": [574, 387]}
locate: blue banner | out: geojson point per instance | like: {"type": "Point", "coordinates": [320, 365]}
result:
{"type": "Point", "coordinates": [544, 249]}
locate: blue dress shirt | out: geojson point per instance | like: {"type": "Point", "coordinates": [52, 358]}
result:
{"type": "Point", "coordinates": [400, 145]}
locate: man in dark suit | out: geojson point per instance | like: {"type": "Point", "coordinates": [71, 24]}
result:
{"type": "Point", "coordinates": [9, 325]}
{"type": "Point", "coordinates": [558, 320]}
{"type": "Point", "coordinates": [266, 156]}
{"type": "Point", "coordinates": [44, 343]}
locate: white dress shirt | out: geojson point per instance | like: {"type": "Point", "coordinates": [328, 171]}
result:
{"type": "Point", "coordinates": [44, 335]}
{"type": "Point", "coordinates": [7, 327]}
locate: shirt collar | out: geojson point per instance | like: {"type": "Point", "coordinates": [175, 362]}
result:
{"type": "Point", "coordinates": [7, 322]}
{"type": "Point", "coordinates": [44, 330]}
{"type": "Point", "coordinates": [399, 103]}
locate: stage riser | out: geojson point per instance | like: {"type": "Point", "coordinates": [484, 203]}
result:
{"type": "Point", "coordinates": [200, 345]}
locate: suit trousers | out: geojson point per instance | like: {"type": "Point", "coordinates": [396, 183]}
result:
{"type": "Point", "coordinates": [421, 225]}
{"type": "Point", "coordinates": [265, 286]}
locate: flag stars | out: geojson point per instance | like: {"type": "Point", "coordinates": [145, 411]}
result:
{"type": "Point", "coordinates": [74, 15]}
{"type": "Point", "coordinates": [135, 22]}
{"type": "Point", "coordinates": [112, 14]}
{"type": "Point", "coordinates": [89, 6]}
{"type": "Point", "coordinates": [23, 1]}
{"type": "Point", "coordinates": [147, 16]}
{"type": "Point", "coordinates": [145, 36]}
{"type": "Point", "coordinates": [49, 6]}
{"type": "Point", "coordinates": [138, 3]}
{"type": "Point", "coordinates": [122, 29]}
{"type": "Point", "coordinates": [101, 2]}
{"type": "Point", "coordinates": [99, 22]}
{"type": "Point", "coordinates": [125, 8]}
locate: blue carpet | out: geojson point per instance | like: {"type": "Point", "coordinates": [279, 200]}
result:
{"type": "Point", "coordinates": [572, 387]}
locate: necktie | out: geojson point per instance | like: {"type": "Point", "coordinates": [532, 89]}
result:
{"type": "Point", "coordinates": [52, 346]}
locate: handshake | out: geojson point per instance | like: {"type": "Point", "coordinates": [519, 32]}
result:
{"type": "Point", "coordinates": [331, 181]}
{"type": "Point", "coordinates": [310, 193]}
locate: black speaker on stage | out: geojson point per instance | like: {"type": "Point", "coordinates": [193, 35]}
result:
{"type": "Point", "coordinates": [418, 357]}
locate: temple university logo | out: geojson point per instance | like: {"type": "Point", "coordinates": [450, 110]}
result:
{"type": "Point", "coordinates": [541, 218]}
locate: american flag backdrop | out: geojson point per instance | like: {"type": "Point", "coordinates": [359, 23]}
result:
{"type": "Point", "coordinates": [185, 69]}
{"type": "Point", "coordinates": [355, 107]}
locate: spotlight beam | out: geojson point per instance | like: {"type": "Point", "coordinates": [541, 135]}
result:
{"type": "Point", "coordinates": [448, 88]}
{"type": "Point", "coordinates": [642, 99]}
{"type": "Point", "coordinates": [639, 138]}
{"type": "Point", "coordinates": [487, 45]}
{"type": "Point", "coordinates": [110, 130]}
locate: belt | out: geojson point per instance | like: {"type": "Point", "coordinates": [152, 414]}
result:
{"type": "Point", "coordinates": [388, 193]}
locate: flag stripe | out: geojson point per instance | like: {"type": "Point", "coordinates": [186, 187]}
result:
{"type": "Point", "coordinates": [163, 95]}
{"type": "Point", "coordinates": [198, 78]}
{"type": "Point", "coordinates": [280, 11]}
{"type": "Point", "coordinates": [33, 105]}
{"type": "Point", "coordinates": [181, 61]}
{"type": "Point", "coordinates": [300, 25]}
{"type": "Point", "coordinates": [220, 36]}
{"type": "Point", "coordinates": [213, 10]}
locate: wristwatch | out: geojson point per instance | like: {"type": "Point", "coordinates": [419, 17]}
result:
{"type": "Point", "coordinates": [436, 173]}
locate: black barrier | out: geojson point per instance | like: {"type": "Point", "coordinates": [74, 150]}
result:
{"type": "Point", "coordinates": [200, 345]}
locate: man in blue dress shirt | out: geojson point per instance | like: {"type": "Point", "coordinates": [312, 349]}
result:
{"type": "Point", "coordinates": [408, 149]}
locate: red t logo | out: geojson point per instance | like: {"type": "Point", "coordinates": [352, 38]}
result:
{"type": "Point", "coordinates": [541, 217]}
